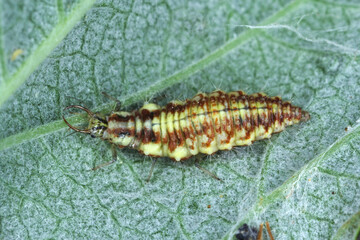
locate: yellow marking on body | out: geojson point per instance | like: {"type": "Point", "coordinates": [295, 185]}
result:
{"type": "Point", "coordinates": [113, 124]}
{"type": "Point", "coordinates": [236, 115]}
{"type": "Point", "coordinates": [138, 129]}
{"type": "Point", "coordinates": [242, 113]}
{"type": "Point", "coordinates": [203, 116]}
{"type": "Point", "coordinates": [260, 111]}
{"type": "Point", "coordinates": [157, 150]}
{"type": "Point", "coordinates": [297, 112]}
{"type": "Point", "coordinates": [190, 141]}
{"type": "Point", "coordinates": [131, 128]}
{"type": "Point", "coordinates": [123, 141]}
{"type": "Point", "coordinates": [216, 117]}
{"type": "Point", "coordinates": [180, 152]}
{"type": "Point", "coordinates": [195, 121]}
{"type": "Point", "coordinates": [254, 114]}
{"type": "Point", "coordinates": [164, 134]}
{"type": "Point", "coordinates": [151, 148]}
{"type": "Point", "coordinates": [245, 114]}
{"type": "Point", "coordinates": [122, 113]}
{"type": "Point", "coordinates": [287, 110]}
{"type": "Point", "coordinates": [268, 113]}
{"type": "Point", "coordinates": [15, 54]}
{"type": "Point", "coordinates": [150, 107]}
{"type": "Point", "coordinates": [226, 117]}
{"type": "Point", "coordinates": [171, 133]}
{"type": "Point", "coordinates": [224, 135]}
{"type": "Point", "coordinates": [277, 110]}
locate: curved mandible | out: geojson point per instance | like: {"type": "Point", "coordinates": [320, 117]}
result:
{"type": "Point", "coordinates": [82, 108]}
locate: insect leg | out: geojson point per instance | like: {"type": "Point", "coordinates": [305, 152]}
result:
{"type": "Point", "coordinates": [269, 231]}
{"type": "Point", "coordinates": [198, 157]}
{"type": "Point", "coordinates": [77, 99]}
{"type": "Point", "coordinates": [259, 236]}
{"type": "Point", "coordinates": [118, 103]}
{"type": "Point", "coordinates": [151, 170]}
{"type": "Point", "coordinates": [114, 158]}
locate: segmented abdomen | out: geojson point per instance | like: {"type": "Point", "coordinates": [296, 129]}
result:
{"type": "Point", "coordinates": [205, 124]}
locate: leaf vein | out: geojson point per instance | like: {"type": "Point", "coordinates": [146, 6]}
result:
{"type": "Point", "coordinates": [43, 50]}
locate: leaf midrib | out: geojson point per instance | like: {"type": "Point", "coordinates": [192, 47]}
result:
{"type": "Point", "coordinates": [158, 86]}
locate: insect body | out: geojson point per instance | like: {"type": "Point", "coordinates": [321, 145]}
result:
{"type": "Point", "coordinates": [204, 124]}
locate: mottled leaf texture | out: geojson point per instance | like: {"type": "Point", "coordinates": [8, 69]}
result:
{"type": "Point", "coordinates": [304, 181]}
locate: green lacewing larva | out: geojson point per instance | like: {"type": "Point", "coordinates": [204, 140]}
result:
{"type": "Point", "coordinates": [204, 124]}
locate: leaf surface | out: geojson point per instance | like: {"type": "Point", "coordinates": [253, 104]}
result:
{"type": "Point", "coordinates": [304, 181]}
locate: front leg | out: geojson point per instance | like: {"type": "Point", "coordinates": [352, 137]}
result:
{"type": "Point", "coordinates": [114, 158]}
{"type": "Point", "coordinates": [118, 103]}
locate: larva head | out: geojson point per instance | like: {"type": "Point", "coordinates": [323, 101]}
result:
{"type": "Point", "coordinates": [97, 124]}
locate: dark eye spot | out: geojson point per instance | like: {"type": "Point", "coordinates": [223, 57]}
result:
{"type": "Point", "coordinates": [98, 128]}
{"type": "Point", "coordinates": [92, 136]}
{"type": "Point", "coordinates": [124, 134]}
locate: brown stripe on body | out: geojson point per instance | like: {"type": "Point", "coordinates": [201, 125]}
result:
{"type": "Point", "coordinates": [297, 113]}
{"type": "Point", "coordinates": [147, 132]}
{"type": "Point", "coordinates": [155, 119]}
{"type": "Point", "coordinates": [222, 123]}
{"type": "Point", "coordinates": [281, 114]}
{"type": "Point", "coordinates": [254, 114]}
{"type": "Point", "coordinates": [235, 115]}
{"type": "Point", "coordinates": [277, 108]}
{"type": "Point", "coordinates": [149, 119]}
{"type": "Point", "coordinates": [189, 131]}
{"type": "Point", "coordinates": [270, 116]}
{"type": "Point", "coordinates": [164, 132]}
{"type": "Point", "coordinates": [195, 121]}
{"type": "Point", "coordinates": [286, 111]}
{"type": "Point", "coordinates": [250, 122]}
{"type": "Point", "coordinates": [227, 124]}
{"type": "Point", "coordinates": [214, 105]}
{"type": "Point", "coordinates": [178, 132]}
{"type": "Point", "coordinates": [275, 113]}
{"type": "Point", "coordinates": [121, 129]}
{"type": "Point", "coordinates": [121, 123]}
{"type": "Point", "coordinates": [206, 121]}
{"type": "Point", "coordinates": [262, 116]}
{"type": "Point", "coordinates": [244, 116]}
{"type": "Point", "coordinates": [177, 148]}
{"type": "Point", "coordinates": [229, 118]}
{"type": "Point", "coordinates": [173, 141]}
{"type": "Point", "coordinates": [186, 129]}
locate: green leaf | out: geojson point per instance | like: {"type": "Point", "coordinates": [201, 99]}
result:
{"type": "Point", "coordinates": [347, 229]}
{"type": "Point", "coordinates": [304, 181]}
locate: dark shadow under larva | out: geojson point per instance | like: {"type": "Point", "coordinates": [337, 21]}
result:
{"type": "Point", "coordinates": [204, 124]}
